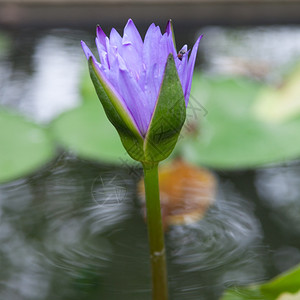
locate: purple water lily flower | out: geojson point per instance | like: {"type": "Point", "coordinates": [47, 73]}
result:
{"type": "Point", "coordinates": [134, 69]}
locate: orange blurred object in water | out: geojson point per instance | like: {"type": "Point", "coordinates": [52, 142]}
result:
{"type": "Point", "coordinates": [186, 191]}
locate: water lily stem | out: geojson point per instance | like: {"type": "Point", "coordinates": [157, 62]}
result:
{"type": "Point", "coordinates": [155, 233]}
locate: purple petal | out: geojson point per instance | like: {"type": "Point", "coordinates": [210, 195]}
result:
{"type": "Point", "coordinates": [164, 50]}
{"type": "Point", "coordinates": [132, 59]}
{"type": "Point", "coordinates": [112, 58]}
{"type": "Point", "coordinates": [115, 38]}
{"type": "Point", "coordinates": [151, 87]}
{"type": "Point", "coordinates": [170, 32]}
{"type": "Point", "coordinates": [169, 27]}
{"type": "Point", "coordinates": [182, 67]}
{"type": "Point", "coordinates": [171, 46]}
{"type": "Point", "coordinates": [132, 36]}
{"type": "Point", "coordinates": [190, 70]}
{"type": "Point", "coordinates": [88, 53]}
{"type": "Point", "coordinates": [102, 55]}
{"type": "Point", "coordinates": [101, 36]}
{"type": "Point", "coordinates": [122, 64]}
{"type": "Point", "coordinates": [131, 50]}
{"type": "Point", "coordinates": [135, 100]}
{"type": "Point", "coordinates": [151, 44]}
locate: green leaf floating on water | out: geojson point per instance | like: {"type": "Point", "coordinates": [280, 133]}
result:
{"type": "Point", "coordinates": [87, 131]}
{"type": "Point", "coordinates": [288, 282]}
{"type": "Point", "coordinates": [232, 135]}
{"type": "Point", "coordinates": [283, 287]}
{"type": "Point", "coordinates": [24, 146]}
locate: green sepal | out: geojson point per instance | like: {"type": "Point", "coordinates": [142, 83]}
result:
{"type": "Point", "coordinates": [116, 113]}
{"type": "Point", "coordinates": [168, 117]}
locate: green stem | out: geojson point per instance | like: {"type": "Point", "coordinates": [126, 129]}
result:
{"type": "Point", "coordinates": [155, 233]}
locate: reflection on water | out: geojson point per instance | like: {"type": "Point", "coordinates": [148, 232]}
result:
{"type": "Point", "coordinates": [112, 195]}
{"type": "Point", "coordinates": [46, 248]}
{"type": "Point", "coordinates": [76, 230]}
{"type": "Point", "coordinates": [286, 257]}
{"type": "Point", "coordinates": [223, 249]}
{"type": "Point", "coordinates": [279, 189]}
{"type": "Point", "coordinates": [41, 72]}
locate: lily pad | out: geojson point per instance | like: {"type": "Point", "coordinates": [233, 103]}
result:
{"type": "Point", "coordinates": [285, 286]}
{"type": "Point", "coordinates": [24, 146]}
{"type": "Point", "coordinates": [231, 135]}
{"type": "Point", "coordinates": [87, 131]}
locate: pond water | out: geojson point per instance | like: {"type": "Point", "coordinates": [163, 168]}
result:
{"type": "Point", "coordinates": [74, 229]}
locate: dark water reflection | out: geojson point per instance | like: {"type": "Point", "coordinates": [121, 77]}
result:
{"type": "Point", "coordinates": [223, 249]}
{"type": "Point", "coordinates": [75, 231]}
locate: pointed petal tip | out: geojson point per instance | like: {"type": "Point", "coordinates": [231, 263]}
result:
{"type": "Point", "coordinates": [151, 28]}
{"type": "Point", "coordinates": [170, 32]}
{"type": "Point", "coordinates": [86, 50]}
{"type": "Point", "coordinates": [131, 35]}
{"type": "Point", "coordinates": [169, 26]}
{"type": "Point", "coordinates": [129, 22]}
{"type": "Point", "coordinates": [99, 32]}
{"type": "Point", "coordinates": [152, 25]}
{"type": "Point", "coordinates": [199, 38]}
{"type": "Point", "coordinates": [190, 70]}
{"type": "Point", "coordinates": [196, 45]}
